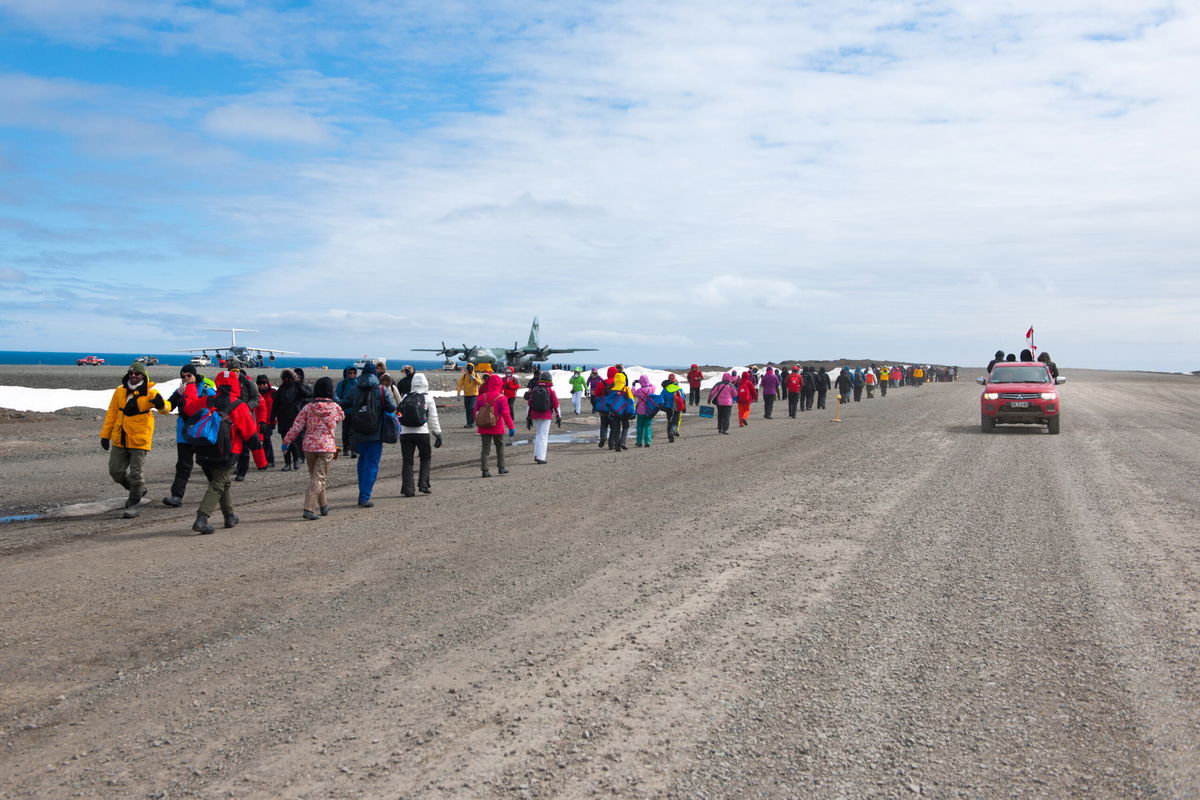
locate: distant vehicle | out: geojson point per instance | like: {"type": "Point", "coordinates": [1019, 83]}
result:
{"type": "Point", "coordinates": [201, 361]}
{"type": "Point", "coordinates": [149, 361]}
{"type": "Point", "coordinates": [241, 356]}
{"type": "Point", "coordinates": [496, 359]}
{"type": "Point", "coordinates": [449, 366]}
{"type": "Point", "coordinates": [89, 361]}
{"type": "Point", "coordinates": [1020, 393]}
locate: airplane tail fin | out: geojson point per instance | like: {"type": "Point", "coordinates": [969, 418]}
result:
{"type": "Point", "coordinates": [533, 334]}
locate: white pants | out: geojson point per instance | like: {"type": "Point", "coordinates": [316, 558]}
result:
{"type": "Point", "coordinates": [577, 401]}
{"type": "Point", "coordinates": [541, 438]}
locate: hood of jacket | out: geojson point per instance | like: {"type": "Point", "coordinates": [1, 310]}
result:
{"type": "Point", "coordinates": [618, 379]}
{"type": "Point", "coordinates": [644, 380]}
{"type": "Point", "coordinates": [420, 383]}
{"type": "Point", "coordinates": [367, 379]}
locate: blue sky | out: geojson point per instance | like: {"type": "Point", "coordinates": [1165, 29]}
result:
{"type": "Point", "coordinates": [668, 182]}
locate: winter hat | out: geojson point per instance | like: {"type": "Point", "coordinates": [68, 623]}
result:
{"type": "Point", "coordinates": [695, 366]}
{"type": "Point", "coordinates": [139, 368]}
{"type": "Point", "coordinates": [368, 368]}
{"type": "Point", "coordinates": [190, 369]}
{"type": "Point", "coordinates": [228, 379]}
{"type": "Point", "coordinates": [323, 388]}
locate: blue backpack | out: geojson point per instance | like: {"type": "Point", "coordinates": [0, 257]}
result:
{"type": "Point", "coordinates": [652, 404]}
{"type": "Point", "coordinates": [617, 404]}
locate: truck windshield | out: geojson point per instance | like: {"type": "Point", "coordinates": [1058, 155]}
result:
{"type": "Point", "coordinates": [1019, 375]}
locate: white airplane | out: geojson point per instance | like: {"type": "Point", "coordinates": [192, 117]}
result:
{"type": "Point", "coordinates": [243, 356]}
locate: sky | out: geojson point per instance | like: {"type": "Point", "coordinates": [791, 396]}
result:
{"type": "Point", "coordinates": [669, 182]}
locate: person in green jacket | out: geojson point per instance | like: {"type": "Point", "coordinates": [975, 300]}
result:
{"type": "Point", "coordinates": [577, 387]}
{"type": "Point", "coordinates": [678, 404]}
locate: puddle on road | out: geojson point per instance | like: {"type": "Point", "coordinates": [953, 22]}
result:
{"type": "Point", "coordinates": [72, 510]}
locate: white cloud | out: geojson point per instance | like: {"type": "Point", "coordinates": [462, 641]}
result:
{"type": "Point", "coordinates": [238, 121]}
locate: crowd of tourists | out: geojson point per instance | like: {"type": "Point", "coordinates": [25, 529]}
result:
{"type": "Point", "coordinates": [225, 422]}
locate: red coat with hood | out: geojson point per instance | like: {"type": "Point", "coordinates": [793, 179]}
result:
{"type": "Point", "coordinates": [492, 394]}
{"type": "Point", "coordinates": [695, 376]}
{"type": "Point", "coordinates": [243, 428]}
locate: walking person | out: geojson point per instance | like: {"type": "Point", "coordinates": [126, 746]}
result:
{"type": "Point", "coordinates": [694, 378]}
{"type": "Point", "coordinates": [128, 432]}
{"type": "Point", "coordinates": [722, 395]}
{"type": "Point", "coordinates": [795, 389]}
{"type": "Point", "coordinates": [770, 387]}
{"type": "Point", "coordinates": [869, 381]}
{"type": "Point", "coordinates": [747, 393]}
{"type": "Point", "coordinates": [675, 405]}
{"type": "Point", "coordinates": [218, 464]}
{"type": "Point", "coordinates": [468, 387]}
{"type": "Point", "coordinates": [645, 406]}
{"type": "Point", "coordinates": [884, 377]}
{"type": "Point", "coordinates": [823, 387]}
{"type": "Point", "coordinates": [578, 385]}
{"type": "Point", "coordinates": [492, 419]}
{"type": "Point", "coordinates": [185, 456]}
{"type": "Point", "coordinates": [857, 381]}
{"type": "Point", "coordinates": [510, 386]}
{"type": "Point", "coordinates": [618, 398]}
{"type": "Point", "coordinates": [418, 421]}
{"type": "Point", "coordinates": [318, 421]}
{"type": "Point", "coordinates": [844, 384]}
{"type": "Point", "coordinates": [594, 381]}
{"type": "Point", "coordinates": [541, 405]}
{"type": "Point", "coordinates": [290, 397]}
{"type": "Point", "coordinates": [369, 402]}
{"type": "Point", "coordinates": [341, 393]}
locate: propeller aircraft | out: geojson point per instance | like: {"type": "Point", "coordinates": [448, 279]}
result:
{"type": "Point", "coordinates": [495, 359]}
{"type": "Point", "coordinates": [242, 356]}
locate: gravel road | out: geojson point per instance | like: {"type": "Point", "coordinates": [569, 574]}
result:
{"type": "Point", "coordinates": [894, 606]}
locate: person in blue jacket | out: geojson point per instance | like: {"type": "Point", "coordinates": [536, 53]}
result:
{"type": "Point", "coordinates": [858, 380]}
{"type": "Point", "coordinates": [368, 444]}
{"type": "Point", "coordinates": [341, 394]}
{"type": "Point", "coordinates": [185, 457]}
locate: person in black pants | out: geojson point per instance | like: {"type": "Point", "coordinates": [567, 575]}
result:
{"type": "Point", "coordinates": [185, 457]}
{"type": "Point", "coordinates": [823, 386]}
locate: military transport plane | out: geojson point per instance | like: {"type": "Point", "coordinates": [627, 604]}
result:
{"type": "Point", "coordinates": [519, 358]}
{"type": "Point", "coordinates": [243, 356]}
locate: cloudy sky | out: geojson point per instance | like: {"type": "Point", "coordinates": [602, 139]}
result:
{"type": "Point", "coordinates": [666, 181]}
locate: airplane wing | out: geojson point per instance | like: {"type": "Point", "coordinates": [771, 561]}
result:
{"type": "Point", "coordinates": [552, 350]}
{"type": "Point", "coordinates": [202, 349]}
{"type": "Point", "coordinates": [266, 350]}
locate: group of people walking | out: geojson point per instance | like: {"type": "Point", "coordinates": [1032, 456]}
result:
{"type": "Point", "coordinates": [226, 422]}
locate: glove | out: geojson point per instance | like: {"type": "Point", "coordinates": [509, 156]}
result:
{"type": "Point", "coordinates": [558, 420]}
{"type": "Point", "coordinates": [437, 440]}
{"type": "Point", "coordinates": [157, 401]}
{"type": "Point", "coordinates": [104, 444]}
{"type": "Point", "coordinates": [512, 432]}
{"type": "Point", "coordinates": [529, 423]}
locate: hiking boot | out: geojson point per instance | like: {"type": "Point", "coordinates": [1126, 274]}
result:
{"type": "Point", "coordinates": [201, 525]}
{"type": "Point", "coordinates": [286, 468]}
{"type": "Point", "coordinates": [324, 511]}
{"type": "Point", "coordinates": [130, 513]}
{"type": "Point", "coordinates": [133, 501]}
{"type": "Point", "coordinates": [309, 515]}
{"type": "Point", "coordinates": [503, 470]}
{"type": "Point", "coordinates": [539, 461]}
{"type": "Point", "coordinates": [603, 442]}
{"type": "Point", "coordinates": [174, 501]}
{"type": "Point", "coordinates": [231, 520]}
{"type": "Point", "coordinates": [424, 490]}
{"type": "Point", "coordinates": [239, 478]}
{"type": "Point", "coordinates": [365, 504]}
{"type": "Point", "coordinates": [408, 494]}
{"type": "Point", "coordinates": [486, 474]}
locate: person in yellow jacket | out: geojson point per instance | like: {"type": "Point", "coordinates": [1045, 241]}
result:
{"type": "Point", "coordinates": [468, 388]}
{"type": "Point", "coordinates": [918, 375]}
{"type": "Point", "coordinates": [885, 375]}
{"type": "Point", "coordinates": [128, 432]}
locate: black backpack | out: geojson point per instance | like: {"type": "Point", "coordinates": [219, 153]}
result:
{"type": "Point", "coordinates": [539, 398]}
{"type": "Point", "coordinates": [366, 417]}
{"type": "Point", "coordinates": [413, 413]}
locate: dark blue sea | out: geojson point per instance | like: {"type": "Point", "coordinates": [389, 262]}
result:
{"type": "Point", "coordinates": [179, 359]}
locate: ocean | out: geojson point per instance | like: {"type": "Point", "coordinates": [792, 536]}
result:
{"type": "Point", "coordinates": [179, 359]}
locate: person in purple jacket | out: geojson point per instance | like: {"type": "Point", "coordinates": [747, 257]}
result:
{"type": "Point", "coordinates": [770, 387]}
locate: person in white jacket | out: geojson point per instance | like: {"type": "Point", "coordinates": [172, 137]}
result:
{"type": "Point", "coordinates": [418, 419]}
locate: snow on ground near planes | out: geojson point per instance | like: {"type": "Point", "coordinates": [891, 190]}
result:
{"type": "Point", "coordinates": [21, 398]}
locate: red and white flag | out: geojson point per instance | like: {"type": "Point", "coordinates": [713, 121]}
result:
{"type": "Point", "coordinates": [1029, 333]}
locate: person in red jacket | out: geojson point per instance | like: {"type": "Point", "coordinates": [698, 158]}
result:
{"type": "Point", "coordinates": [262, 415]}
{"type": "Point", "coordinates": [510, 386]}
{"type": "Point", "coordinates": [694, 377]}
{"type": "Point", "coordinates": [747, 394]}
{"type": "Point", "coordinates": [794, 384]}
{"type": "Point", "coordinates": [217, 468]}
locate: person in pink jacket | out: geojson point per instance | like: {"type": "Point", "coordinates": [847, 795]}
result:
{"type": "Point", "coordinates": [642, 394]}
{"type": "Point", "coordinates": [317, 420]}
{"type": "Point", "coordinates": [722, 395]}
{"type": "Point", "coordinates": [493, 424]}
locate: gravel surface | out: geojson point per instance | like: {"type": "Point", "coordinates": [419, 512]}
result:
{"type": "Point", "coordinates": [894, 606]}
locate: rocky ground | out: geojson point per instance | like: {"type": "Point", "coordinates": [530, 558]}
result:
{"type": "Point", "coordinates": [892, 606]}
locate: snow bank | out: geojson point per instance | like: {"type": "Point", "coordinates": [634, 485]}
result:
{"type": "Point", "coordinates": [21, 398]}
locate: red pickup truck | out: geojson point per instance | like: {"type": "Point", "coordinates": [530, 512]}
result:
{"type": "Point", "coordinates": [89, 361]}
{"type": "Point", "coordinates": [1020, 393]}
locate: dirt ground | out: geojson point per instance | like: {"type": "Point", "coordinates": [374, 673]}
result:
{"type": "Point", "coordinates": [893, 606]}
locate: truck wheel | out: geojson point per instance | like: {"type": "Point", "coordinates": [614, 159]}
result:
{"type": "Point", "coordinates": [1053, 423]}
{"type": "Point", "coordinates": [986, 424]}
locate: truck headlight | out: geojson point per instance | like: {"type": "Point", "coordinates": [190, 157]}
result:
{"type": "Point", "coordinates": [1049, 395]}
{"type": "Point", "coordinates": [991, 395]}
